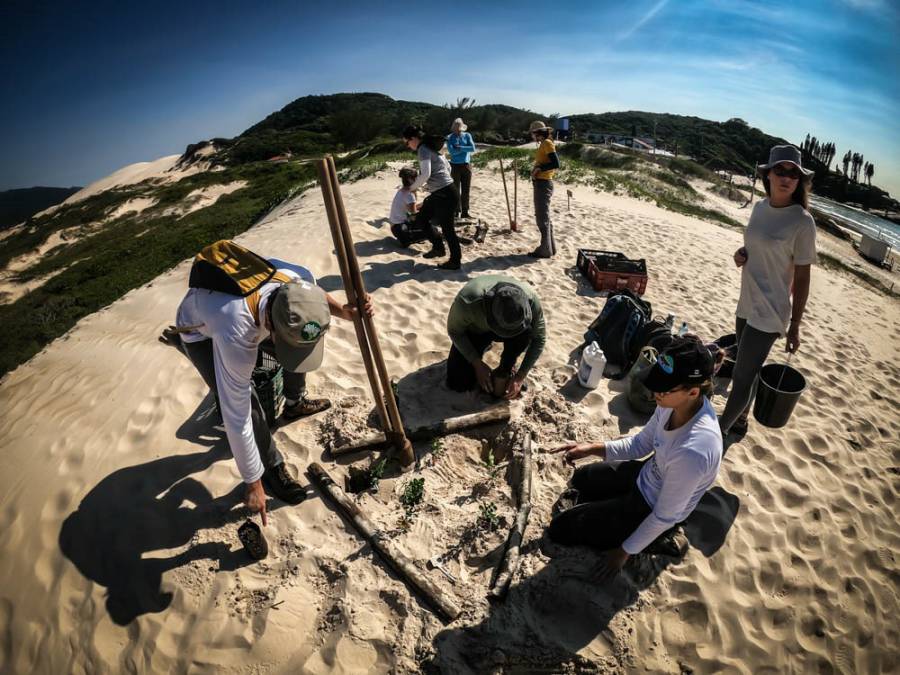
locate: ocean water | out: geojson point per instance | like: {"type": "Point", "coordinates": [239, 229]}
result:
{"type": "Point", "coordinates": [860, 221]}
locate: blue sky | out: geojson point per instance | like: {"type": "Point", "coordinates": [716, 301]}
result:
{"type": "Point", "coordinates": [88, 89]}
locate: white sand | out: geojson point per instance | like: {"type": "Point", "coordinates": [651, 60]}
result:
{"type": "Point", "coordinates": [103, 457]}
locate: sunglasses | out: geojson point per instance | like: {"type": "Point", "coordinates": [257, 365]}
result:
{"type": "Point", "coordinates": [793, 172]}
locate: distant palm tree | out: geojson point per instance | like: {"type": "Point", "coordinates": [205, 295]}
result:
{"type": "Point", "coordinates": [846, 162]}
{"type": "Point", "coordinates": [870, 171]}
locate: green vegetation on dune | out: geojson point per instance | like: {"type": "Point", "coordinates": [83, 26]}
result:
{"type": "Point", "coordinates": [97, 269]}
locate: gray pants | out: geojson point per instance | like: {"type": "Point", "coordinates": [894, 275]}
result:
{"type": "Point", "coordinates": [201, 355]}
{"type": "Point", "coordinates": [752, 352]}
{"type": "Point", "coordinates": [543, 191]}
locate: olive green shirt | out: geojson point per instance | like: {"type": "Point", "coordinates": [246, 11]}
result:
{"type": "Point", "coordinates": [469, 314]}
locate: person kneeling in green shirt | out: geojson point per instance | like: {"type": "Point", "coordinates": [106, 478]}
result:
{"type": "Point", "coordinates": [494, 308]}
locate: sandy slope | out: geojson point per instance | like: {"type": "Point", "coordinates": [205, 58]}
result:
{"type": "Point", "coordinates": [116, 488]}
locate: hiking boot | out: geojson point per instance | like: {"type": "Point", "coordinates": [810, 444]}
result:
{"type": "Point", "coordinates": [281, 485]}
{"type": "Point", "coordinates": [304, 408]}
{"type": "Point", "coordinates": [450, 265]}
{"type": "Point", "coordinates": [567, 500]}
{"type": "Point", "coordinates": [435, 253]}
{"type": "Point", "coordinates": [740, 426]}
{"type": "Point", "coordinates": [537, 253]}
{"type": "Point", "coordinates": [673, 544]}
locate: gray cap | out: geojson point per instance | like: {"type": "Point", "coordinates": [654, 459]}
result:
{"type": "Point", "coordinates": [784, 153]}
{"type": "Point", "coordinates": [509, 311]}
{"type": "Point", "coordinates": [300, 318]}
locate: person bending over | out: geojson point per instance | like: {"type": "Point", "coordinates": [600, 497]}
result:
{"type": "Point", "coordinates": [222, 335]}
{"type": "Point", "coordinates": [494, 308]}
{"type": "Point", "coordinates": [440, 205]}
{"type": "Point", "coordinates": [624, 507]}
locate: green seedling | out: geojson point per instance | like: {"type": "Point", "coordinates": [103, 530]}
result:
{"type": "Point", "coordinates": [487, 516]}
{"type": "Point", "coordinates": [412, 495]}
{"type": "Point", "coordinates": [437, 447]}
{"type": "Point", "coordinates": [366, 479]}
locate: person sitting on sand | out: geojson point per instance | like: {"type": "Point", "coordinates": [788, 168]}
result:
{"type": "Point", "coordinates": [440, 205]}
{"type": "Point", "coordinates": [494, 308]}
{"type": "Point", "coordinates": [461, 145]}
{"type": "Point", "coordinates": [775, 260]}
{"type": "Point", "coordinates": [546, 161]}
{"type": "Point", "coordinates": [623, 508]}
{"type": "Point", "coordinates": [222, 335]}
{"type": "Point", "coordinates": [403, 211]}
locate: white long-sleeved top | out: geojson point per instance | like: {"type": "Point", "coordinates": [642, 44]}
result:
{"type": "Point", "coordinates": [227, 321]}
{"type": "Point", "coordinates": [685, 463]}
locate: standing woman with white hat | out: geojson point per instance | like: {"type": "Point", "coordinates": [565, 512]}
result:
{"type": "Point", "coordinates": [461, 145]}
{"type": "Point", "coordinates": [779, 248]}
{"type": "Point", "coordinates": [546, 161]}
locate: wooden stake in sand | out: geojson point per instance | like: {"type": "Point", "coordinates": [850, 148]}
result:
{"type": "Point", "coordinates": [450, 425]}
{"type": "Point", "coordinates": [510, 562]}
{"type": "Point", "coordinates": [512, 223]}
{"type": "Point", "coordinates": [515, 225]}
{"type": "Point", "coordinates": [366, 334]}
{"type": "Point", "coordinates": [443, 604]}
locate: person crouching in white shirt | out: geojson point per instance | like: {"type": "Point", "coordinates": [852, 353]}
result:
{"type": "Point", "coordinates": [624, 507]}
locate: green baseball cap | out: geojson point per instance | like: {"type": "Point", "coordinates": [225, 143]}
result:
{"type": "Point", "coordinates": [300, 318]}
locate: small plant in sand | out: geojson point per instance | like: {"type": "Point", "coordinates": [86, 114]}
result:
{"type": "Point", "coordinates": [437, 447]}
{"type": "Point", "coordinates": [366, 479]}
{"type": "Point", "coordinates": [411, 496]}
{"type": "Point", "coordinates": [487, 516]}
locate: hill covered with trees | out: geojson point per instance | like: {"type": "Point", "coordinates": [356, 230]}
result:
{"type": "Point", "coordinates": [18, 205]}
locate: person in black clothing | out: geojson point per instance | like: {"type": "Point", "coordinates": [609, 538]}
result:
{"type": "Point", "coordinates": [440, 205]}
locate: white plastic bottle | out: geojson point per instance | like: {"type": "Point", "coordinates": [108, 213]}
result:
{"type": "Point", "coordinates": [590, 370]}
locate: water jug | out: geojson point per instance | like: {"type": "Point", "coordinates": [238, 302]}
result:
{"type": "Point", "coordinates": [590, 370]}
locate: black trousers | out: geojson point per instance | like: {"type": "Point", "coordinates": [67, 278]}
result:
{"type": "Point", "coordinates": [461, 373]}
{"type": "Point", "coordinates": [201, 355]}
{"type": "Point", "coordinates": [440, 207]}
{"type": "Point", "coordinates": [609, 508]}
{"type": "Point", "coordinates": [462, 181]}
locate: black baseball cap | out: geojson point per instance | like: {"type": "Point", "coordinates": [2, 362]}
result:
{"type": "Point", "coordinates": [686, 361]}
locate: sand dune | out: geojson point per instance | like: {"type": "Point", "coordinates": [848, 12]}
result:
{"type": "Point", "coordinates": [120, 501]}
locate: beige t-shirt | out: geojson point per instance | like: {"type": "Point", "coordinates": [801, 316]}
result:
{"type": "Point", "coordinates": [776, 240]}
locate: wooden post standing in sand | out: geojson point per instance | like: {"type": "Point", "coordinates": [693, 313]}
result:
{"type": "Point", "coordinates": [512, 223]}
{"type": "Point", "coordinates": [403, 566]}
{"type": "Point", "coordinates": [515, 196]}
{"type": "Point", "coordinates": [450, 425]}
{"type": "Point", "coordinates": [366, 334]}
{"type": "Point", "coordinates": [510, 562]}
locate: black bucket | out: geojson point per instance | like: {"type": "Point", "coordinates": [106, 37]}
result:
{"type": "Point", "coordinates": [778, 391]}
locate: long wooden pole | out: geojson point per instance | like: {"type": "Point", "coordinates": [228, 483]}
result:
{"type": "Point", "coordinates": [350, 290]}
{"type": "Point", "coordinates": [443, 603]}
{"type": "Point", "coordinates": [451, 425]}
{"type": "Point", "coordinates": [404, 447]}
{"type": "Point", "coordinates": [515, 222]}
{"type": "Point", "coordinates": [511, 558]}
{"type": "Point", "coordinates": [506, 194]}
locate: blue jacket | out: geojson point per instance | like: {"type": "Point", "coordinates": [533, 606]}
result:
{"type": "Point", "coordinates": [460, 146]}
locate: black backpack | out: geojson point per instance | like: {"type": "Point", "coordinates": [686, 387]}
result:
{"type": "Point", "coordinates": [618, 328]}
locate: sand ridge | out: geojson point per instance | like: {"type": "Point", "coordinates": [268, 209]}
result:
{"type": "Point", "coordinates": [120, 500]}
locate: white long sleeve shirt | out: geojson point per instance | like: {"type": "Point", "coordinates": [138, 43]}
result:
{"type": "Point", "coordinates": [227, 321]}
{"type": "Point", "coordinates": [684, 465]}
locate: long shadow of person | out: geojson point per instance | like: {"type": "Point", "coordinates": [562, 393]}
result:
{"type": "Point", "coordinates": [155, 506]}
{"type": "Point", "coordinates": [549, 617]}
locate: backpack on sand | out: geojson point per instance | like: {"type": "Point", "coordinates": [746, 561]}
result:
{"type": "Point", "coordinates": [230, 268]}
{"type": "Point", "coordinates": [639, 397]}
{"type": "Point", "coordinates": [618, 327]}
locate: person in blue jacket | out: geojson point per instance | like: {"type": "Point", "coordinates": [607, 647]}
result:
{"type": "Point", "coordinates": [461, 145]}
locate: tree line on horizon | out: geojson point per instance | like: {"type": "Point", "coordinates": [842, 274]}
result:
{"type": "Point", "coordinates": [852, 162]}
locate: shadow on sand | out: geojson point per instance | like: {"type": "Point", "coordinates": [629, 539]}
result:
{"type": "Point", "coordinates": [155, 506]}
{"type": "Point", "coordinates": [548, 617]}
